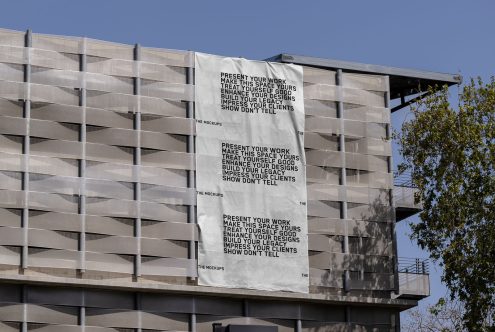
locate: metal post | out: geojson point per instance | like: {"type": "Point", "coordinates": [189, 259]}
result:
{"type": "Point", "coordinates": [192, 316]}
{"type": "Point", "coordinates": [395, 261]}
{"type": "Point", "coordinates": [137, 159]}
{"type": "Point", "coordinates": [82, 163]}
{"type": "Point", "coordinates": [343, 180]}
{"type": "Point", "coordinates": [298, 325]}
{"type": "Point", "coordinates": [191, 180]}
{"type": "Point", "coordinates": [24, 327]}
{"type": "Point", "coordinates": [26, 151]}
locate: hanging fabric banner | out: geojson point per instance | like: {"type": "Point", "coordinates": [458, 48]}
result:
{"type": "Point", "coordinates": [250, 173]}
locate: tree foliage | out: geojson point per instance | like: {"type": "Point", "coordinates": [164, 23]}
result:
{"type": "Point", "coordinates": [450, 152]}
{"type": "Point", "coordinates": [445, 316]}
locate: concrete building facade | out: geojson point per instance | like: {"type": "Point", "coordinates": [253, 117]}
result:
{"type": "Point", "coordinates": [97, 196]}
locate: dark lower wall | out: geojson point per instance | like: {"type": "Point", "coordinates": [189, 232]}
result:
{"type": "Point", "coordinates": [44, 308]}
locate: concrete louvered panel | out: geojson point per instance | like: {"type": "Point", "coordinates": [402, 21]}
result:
{"type": "Point", "coordinates": [324, 108]}
{"type": "Point", "coordinates": [56, 77]}
{"type": "Point", "coordinates": [11, 144]}
{"type": "Point", "coordinates": [325, 278]}
{"type": "Point", "coordinates": [52, 258]}
{"type": "Point", "coordinates": [11, 236]}
{"type": "Point", "coordinates": [53, 202]}
{"type": "Point", "coordinates": [168, 57]}
{"type": "Point", "coordinates": [366, 162]}
{"type": "Point", "coordinates": [11, 312]}
{"type": "Point", "coordinates": [159, 141]}
{"type": "Point", "coordinates": [168, 159]}
{"type": "Point", "coordinates": [56, 43]}
{"type": "Point", "coordinates": [109, 226]}
{"type": "Point", "coordinates": [106, 83]}
{"type": "Point", "coordinates": [9, 326]}
{"type": "Point", "coordinates": [163, 176]}
{"type": "Point", "coordinates": [12, 54]}
{"type": "Point", "coordinates": [53, 59]}
{"type": "Point", "coordinates": [204, 322]}
{"type": "Point", "coordinates": [325, 192]}
{"type": "Point", "coordinates": [56, 148]}
{"type": "Point", "coordinates": [54, 130]}
{"type": "Point", "coordinates": [322, 92]}
{"type": "Point", "coordinates": [13, 125]}
{"type": "Point", "coordinates": [324, 158]}
{"type": "Point", "coordinates": [172, 91]}
{"type": "Point", "coordinates": [52, 239]}
{"type": "Point", "coordinates": [108, 263]}
{"type": "Point", "coordinates": [112, 318]}
{"type": "Point", "coordinates": [163, 107]}
{"type": "Point", "coordinates": [366, 113]}
{"type": "Point", "coordinates": [56, 328]}
{"type": "Point", "coordinates": [10, 255]}
{"type": "Point", "coordinates": [111, 207]}
{"type": "Point", "coordinates": [109, 189]}
{"type": "Point", "coordinates": [169, 230]}
{"type": "Point", "coordinates": [168, 195]}
{"type": "Point", "coordinates": [319, 76]}
{"type": "Point", "coordinates": [110, 171]}
{"type": "Point", "coordinates": [111, 244]}
{"type": "Point", "coordinates": [164, 248]}
{"type": "Point", "coordinates": [330, 175]}
{"type": "Point", "coordinates": [312, 326]}
{"type": "Point", "coordinates": [330, 209]}
{"type": "Point", "coordinates": [365, 82]}
{"type": "Point", "coordinates": [363, 97]}
{"type": "Point", "coordinates": [54, 184]}
{"type": "Point", "coordinates": [54, 94]}
{"type": "Point", "coordinates": [322, 125]}
{"type": "Point", "coordinates": [168, 125]}
{"type": "Point", "coordinates": [54, 112]}
{"type": "Point", "coordinates": [165, 212]}
{"type": "Point", "coordinates": [11, 199]}
{"type": "Point", "coordinates": [369, 212]}
{"type": "Point", "coordinates": [320, 242]}
{"type": "Point", "coordinates": [53, 166]}
{"type": "Point", "coordinates": [10, 217]}
{"type": "Point", "coordinates": [153, 266]}
{"type": "Point", "coordinates": [321, 141]}
{"type": "Point", "coordinates": [112, 101]}
{"type": "Point", "coordinates": [11, 72]}
{"type": "Point", "coordinates": [107, 153]}
{"type": "Point", "coordinates": [56, 221]}
{"type": "Point", "coordinates": [52, 314]}
{"type": "Point", "coordinates": [10, 180]}
{"type": "Point", "coordinates": [112, 136]}
{"type": "Point", "coordinates": [113, 67]}
{"type": "Point", "coordinates": [164, 321]}
{"type": "Point", "coordinates": [11, 37]}
{"type": "Point", "coordinates": [10, 108]}
{"type": "Point", "coordinates": [109, 50]}
{"type": "Point", "coordinates": [157, 72]}
{"type": "Point", "coordinates": [105, 118]}
{"type": "Point", "coordinates": [12, 90]}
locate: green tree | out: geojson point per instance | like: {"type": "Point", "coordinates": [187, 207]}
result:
{"type": "Point", "coordinates": [450, 152]}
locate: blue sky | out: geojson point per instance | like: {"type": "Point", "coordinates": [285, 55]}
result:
{"type": "Point", "coordinates": [442, 35]}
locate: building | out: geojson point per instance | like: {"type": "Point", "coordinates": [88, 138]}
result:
{"type": "Point", "coordinates": [97, 194]}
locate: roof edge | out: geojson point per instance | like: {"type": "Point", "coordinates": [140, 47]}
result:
{"type": "Point", "coordinates": [449, 79]}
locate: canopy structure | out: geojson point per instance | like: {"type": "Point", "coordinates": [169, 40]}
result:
{"type": "Point", "coordinates": [403, 82]}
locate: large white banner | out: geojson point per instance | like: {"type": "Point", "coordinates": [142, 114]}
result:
{"type": "Point", "coordinates": [250, 171]}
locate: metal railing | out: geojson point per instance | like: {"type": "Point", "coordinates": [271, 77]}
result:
{"type": "Point", "coordinates": [403, 179]}
{"type": "Point", "coordinates": [413, 265]}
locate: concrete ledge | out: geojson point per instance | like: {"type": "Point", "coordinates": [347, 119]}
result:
{"type": "Point", "coordinates": [402, 304]}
